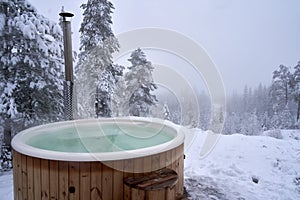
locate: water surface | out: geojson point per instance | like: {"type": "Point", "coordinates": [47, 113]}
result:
{"type": "Point", "coordinates": [99, 138]}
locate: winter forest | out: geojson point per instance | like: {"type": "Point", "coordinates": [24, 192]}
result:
{"type": "Point", "coordinates": [32, 79]}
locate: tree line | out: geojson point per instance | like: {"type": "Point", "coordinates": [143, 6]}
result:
{"type": "Point", "coordinates": [266, 107]}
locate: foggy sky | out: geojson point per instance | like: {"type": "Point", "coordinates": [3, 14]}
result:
{"type": "Point", "coordinates": [247, 40]}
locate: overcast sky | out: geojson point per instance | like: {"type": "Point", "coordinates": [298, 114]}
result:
{"type": "Point", "coordinates": [246, 39]}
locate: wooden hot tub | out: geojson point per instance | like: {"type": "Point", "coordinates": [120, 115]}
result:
{"type": "Point", "coordinates": [40, 173]}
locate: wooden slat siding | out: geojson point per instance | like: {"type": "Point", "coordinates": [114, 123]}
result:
{"type": "Point", "coordinates": [127, 192]}
{"type": "Point", "coordinates": [156, 194]}
{"type": "Point", "coordinates": [128, 167]}
{"type": "Point", "coordinates": [63, 180]}
{"type": "Point", "coordinates": [176, 166]}
{"type": "Point", "coordinates": [30, 177]}
{"type": "Point", "coordinates": [96, 181]}
{"type": "Point", "coordinates": [74, 180]}
{"type": "Point", "coordinates": [19, 172]}
{"type": "Point", "coordinates": [170, 194]}
{"type": "Point", "coordinates": [162, 159]}
{"type": "Point", "coordinates": [147, 164]}
{"type": "Point", "coordinates": [85, 180]}
{"type": "Point", "coordinates": [107, 182]}
{"type": "Point", "coordinates": [168, 159]}
{"type": "Point", "coordinates": [155, 162]}
{"type": "Point", "coordinates": [180, 152]}
{"type": "Point", "coordinates": [15, 174]}
{"type": "Point", "coordinates": [37, 178]}
{"type": "Point", "coordinates": [138, 166]}
{"type": "Point", "coordinates": [137, 194]}
{"type": "Point", "coordinates": [45, 179]}
{"type": "Point", "coordinates": [24, 178]}
{"type": "Point", "coordinates": [53, 167]}
{"type": "Point", "coordinates": [118, 180]}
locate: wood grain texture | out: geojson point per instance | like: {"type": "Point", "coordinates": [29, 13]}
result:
{"type": "Point", "coordinates": [36, 178]}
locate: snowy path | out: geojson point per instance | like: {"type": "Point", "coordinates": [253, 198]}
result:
{"type": "Point", "coordinates": [232, 168]}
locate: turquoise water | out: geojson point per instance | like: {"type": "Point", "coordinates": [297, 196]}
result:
{"type": "Point", "coordinates": [99, 138]}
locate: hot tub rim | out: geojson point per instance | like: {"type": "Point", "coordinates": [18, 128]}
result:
{"type": "Point", "coordinates": [26, 149]}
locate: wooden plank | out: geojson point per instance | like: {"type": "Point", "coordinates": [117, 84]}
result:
{"type": "Point", "coordinates": [19, 172]}
{"type": "Point", "coordinates": [180, 152]}
{"type": "Point", "coordinates": [153, 180]}
{"type": "Point", "coordinates": [85, 180]}
{"type": "Point", "coordinates": [30, 178]}
{"type": "Point", "coordinates": [137, 194]}
{"type": "Point", "coordinates": [107, 182]}
{"type": "Point", "coordinates": [118, 180]}
{"type": "Point", "coordinates": [128, 167]}
{"type": "Point", "coordinates": [138, 166]}
{"type": "Point", "coordinates": [96, 180]}
{"type": "Point", "coordinates": [168, 158]}
{"type": "Point", "coordinates": [74, 181]}
{"type": "Point", "coordinates": [155, 162]}
{"type": "Point", "coordinates": [37, 178]}
{"type": "Point", "coordinates": [170, 194]}
{"type": "Point", "coordinates": [174, 159]}
{"type": "Point", "coordinates": [15, 174]}
{"type": "Point", "coordinates": [162, 159]}
{"type": "Point", "coordinates": [45, 179]}
{"type": "Point", "coordinates": [156, 194]}
{"type": "Point", "coordinates": [53, 165]}
{"type": "Point", "coordinates": [147, 164]}
{"type": "Point", "coordinates": [24, 177]}
{"type": "Point", "coordinates": [63, 180]}
{"type": "Point", "coordinates": [127, 192]}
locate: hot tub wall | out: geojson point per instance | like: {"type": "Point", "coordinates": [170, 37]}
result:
{"type": "Point", "coordinates": [36, 178]}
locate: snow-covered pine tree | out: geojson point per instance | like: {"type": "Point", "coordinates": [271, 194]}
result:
{"type": "Point", "coordinates": [95, 65]}
{"type": "Point", "coordinates": [31, 63]}
{"type": "Point", "coordinates": [280, 88]}
{"type": "Point", "coordinates": [139, 84]}
{"type": "Point", "coordinates": [296, 88]}
{"type": "Point", "coordinates": [250, 124]}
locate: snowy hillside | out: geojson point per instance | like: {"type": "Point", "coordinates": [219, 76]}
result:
{"type": "Point", "coordinates": [239, 167]}
{"type": "Point", "coordinates": [245, 167]}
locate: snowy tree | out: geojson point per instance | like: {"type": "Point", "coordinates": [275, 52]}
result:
{"type": "Point", "coordinates": [280, 88]}
{"type": "Point", "coordinates": [97, 44]}
{"type": "Point", "coordinates": [205, 110]}
{"type": "Point", "coordinates": [296, 88]}
{"type": "Point", "coordinates": [233, 124]}
{"type": "Point", "coordinates": [250, 124]}
{"type": "Point", "coordinates": [30, 67]}
{"type": "Point", "coordinates": [139, 84]}
{"type": "Point", "coordinates": [282, 119]}
{"type": "Point", "coordinates": [105, 90]}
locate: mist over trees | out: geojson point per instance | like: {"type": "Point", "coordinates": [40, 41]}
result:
{"type": "Point", "coordinates": [266, 107]}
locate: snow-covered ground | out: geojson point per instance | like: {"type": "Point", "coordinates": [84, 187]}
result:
{"type": "Point", "coordinates": [245, 167]}
{"type": "Point", "coordinates": [239, 167]}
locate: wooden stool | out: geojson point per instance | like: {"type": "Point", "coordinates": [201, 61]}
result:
{"type": "Point", "coordinates": [157, 185]}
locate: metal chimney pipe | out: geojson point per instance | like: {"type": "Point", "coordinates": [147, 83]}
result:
{"type": "Point", "coordinates": [68, 83]}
